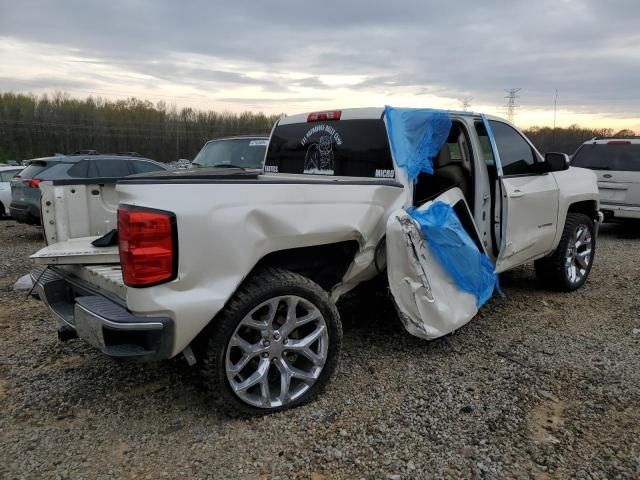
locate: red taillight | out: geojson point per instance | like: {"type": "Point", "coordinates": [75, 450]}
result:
{"type": "Point", "coordinates": [31, 183]}
{"type": "Point", "coordinates": [619, 142]}
{"type": "Point", "coordinates": [321, 116]}
{"type": "Point", "coordinates": [148, 244]}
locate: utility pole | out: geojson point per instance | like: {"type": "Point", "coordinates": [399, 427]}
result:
{"type": "Point", "coordinates": [466, 104]}
{"type": "Point", "coordinates": [555, 111]}
{"type": "Point", "coordinates": [511, 102]}
{"type": "Point", "coordinates": [177, 138]}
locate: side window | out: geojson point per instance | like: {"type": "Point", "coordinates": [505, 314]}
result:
{"type": "Point", "coordinates": [140, 166]}
{"type": "Point", "coordinates": [112, 168]}
{"type": "Point", "coordinates": [80, 169]}
{"type": "Point", "coordinates": [516, 155]}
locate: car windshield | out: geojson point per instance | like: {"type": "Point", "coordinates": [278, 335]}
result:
{"type": "Point", "coordinates": [236, 152]}
{"type": "Point", "coordinates": [609, 156]}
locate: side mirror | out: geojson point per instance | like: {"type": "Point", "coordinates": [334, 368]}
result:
{"type": "Point", "coordinates": [556, 162]}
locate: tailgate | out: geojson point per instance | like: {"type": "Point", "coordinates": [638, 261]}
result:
{"type": "Point", "coordinates": [76, 251]}
{"type": "Point", "coordinates": [621, 188]}
{"type": "Point", "coordinates": [78, 208]}
{"type": "Point", "coordinates": [74, 214]}
{"type": "Point", "coordinates": [22, 193]}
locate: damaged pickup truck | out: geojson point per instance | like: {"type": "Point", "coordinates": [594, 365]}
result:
{"type": "Point", "coordinates": [240, 270]}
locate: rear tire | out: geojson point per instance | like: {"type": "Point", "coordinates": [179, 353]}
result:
{"type": "Point", "coordinates": [274, 346]}
{"type": "Point", "coordinates": [568, 267]}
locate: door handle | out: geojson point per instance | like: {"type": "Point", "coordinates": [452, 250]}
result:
{"type": "Point", "coordinates": [607, 175]}
{"type": "Point", "coordinates": [516, 194]}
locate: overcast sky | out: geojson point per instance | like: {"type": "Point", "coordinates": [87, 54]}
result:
{"type": "Point", "coordinates": [294, 56]}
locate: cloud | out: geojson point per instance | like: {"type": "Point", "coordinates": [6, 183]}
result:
{"type": "Point", "coordinates": [288, 49]}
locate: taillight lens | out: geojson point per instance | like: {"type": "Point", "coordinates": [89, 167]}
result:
{"type": "Point", "coordinates": [148, 244]}
{"type": "Point", "coordinates": [31, 183]}
{"type": "Point", "coordinates": [322, 116]}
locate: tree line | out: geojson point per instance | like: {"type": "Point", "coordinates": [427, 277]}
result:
{"type": "Point", "coordinates": [32, 126]}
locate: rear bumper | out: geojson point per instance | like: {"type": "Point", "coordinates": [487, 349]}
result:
{"type": "Point", "coordinates": [103, 322]}
{"type": "Point", "coordinates": [25, 213]}
{"type": "Point", "coordinates": [613, 210]}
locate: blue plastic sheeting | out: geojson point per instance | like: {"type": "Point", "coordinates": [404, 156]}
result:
{"type": "Point", "coordinates": [416, 136]}
{"type": "Point", "coordinates": [471, 270]}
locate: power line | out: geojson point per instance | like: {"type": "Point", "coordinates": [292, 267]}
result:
{"type": "Point", "coordinates": [511, 105]}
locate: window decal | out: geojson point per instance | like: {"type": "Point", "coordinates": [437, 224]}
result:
{"type": "Point", "coordinates": [319, 159]}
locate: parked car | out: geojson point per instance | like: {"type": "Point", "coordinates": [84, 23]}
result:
{"type": "Point", "coordinates": [6, 174]}
{"type": "Point", "coordinates": [240, 270]}
{"type": "Point", "coordinates": [241, 151]}
{"type": "Point", "coordinates": [616, 162]}
{"type": "Point", "coordinates": [25, 191]}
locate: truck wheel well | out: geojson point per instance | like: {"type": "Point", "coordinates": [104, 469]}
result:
{"type": "Point", "coordinates": [588, 207]}
{"type": "Point", "coordinates": [324, 264]}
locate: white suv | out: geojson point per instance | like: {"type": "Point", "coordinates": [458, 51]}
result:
{"type": "Point", "coordinates": [616, 162]}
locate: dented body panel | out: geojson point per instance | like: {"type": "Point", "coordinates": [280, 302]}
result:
{"type": "Point", "coordinates": [429, 302]}
{"type": "Point", "coordinates": [223, 239]}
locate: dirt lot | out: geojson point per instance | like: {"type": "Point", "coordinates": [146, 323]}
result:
{"type": "Point", "coordinates": [539, 385]}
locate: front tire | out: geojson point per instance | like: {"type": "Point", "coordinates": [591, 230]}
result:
{"type": "Point", "coordinates": [568, 267]}
{"type": "Point", "coordinates": [275, 344]}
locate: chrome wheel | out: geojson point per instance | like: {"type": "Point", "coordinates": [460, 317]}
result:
{"type": "Point", "coordinates": [277, 352]}
{"type": "Point", "coordinates": [579, 252]}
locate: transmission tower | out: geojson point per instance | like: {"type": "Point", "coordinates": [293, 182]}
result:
{"type": "Point", "coordinates": [466, 104]}
{"type": "Point", "coordinates": [512, 94]}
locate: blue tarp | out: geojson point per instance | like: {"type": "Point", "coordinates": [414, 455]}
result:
{"type": "Point", "coordinates": [416, 136]}
{"type": "Point", "coordinates": [471, 270]}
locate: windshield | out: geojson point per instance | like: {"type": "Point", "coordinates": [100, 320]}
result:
{"type": "Point", "coordinates": [238, 152]}
{"type": "Point", "coordinates": [608, 156]}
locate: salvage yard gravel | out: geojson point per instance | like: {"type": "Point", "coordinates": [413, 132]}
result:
{"type": "Point", "coordinates": [539, 385]}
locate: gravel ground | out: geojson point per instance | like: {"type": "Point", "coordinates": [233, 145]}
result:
{"type": "Point", "coordinates": [539, 385]}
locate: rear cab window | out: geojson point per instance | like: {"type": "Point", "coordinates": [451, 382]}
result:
{"type": "Point", "coordinates": [347, 148]}
{"type": "Point", "coordinates": [615, 155]}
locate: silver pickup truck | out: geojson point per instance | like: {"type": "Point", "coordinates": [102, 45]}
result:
{"type": "Point", "coordinates": [240, 270]}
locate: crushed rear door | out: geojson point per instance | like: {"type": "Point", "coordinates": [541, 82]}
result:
{"type": "Point", "coordinates": [430, 303]}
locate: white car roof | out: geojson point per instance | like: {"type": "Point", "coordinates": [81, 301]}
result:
{"type": "Point", "coordinates": [604, 141]}
{"type": "Point", "coordinates": [10, 167]}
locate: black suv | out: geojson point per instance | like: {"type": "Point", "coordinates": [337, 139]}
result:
{"type": "Point", "coordinates": [25, 191]}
